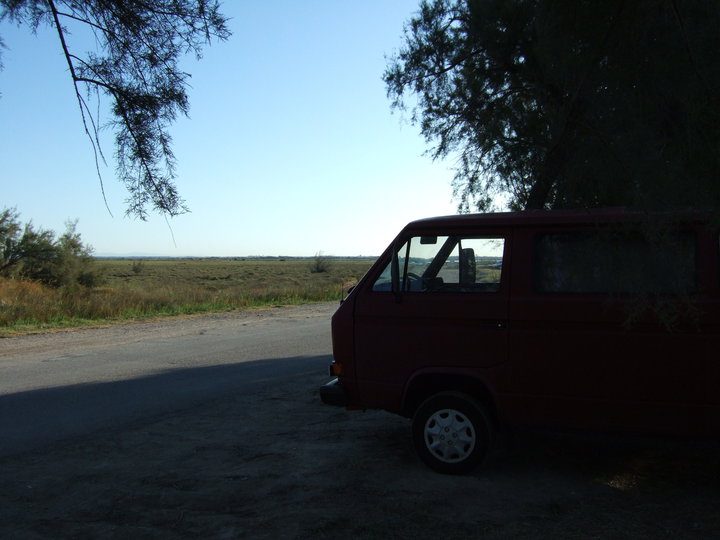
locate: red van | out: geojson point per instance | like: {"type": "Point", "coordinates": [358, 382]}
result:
{"type": "Point", "coordinates": [601, 320]}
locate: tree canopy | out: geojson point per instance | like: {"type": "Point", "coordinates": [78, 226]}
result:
{"type": "Point", "coordinates": [568, 103]}
{"type": "Point", "coordinates": [135, 65]}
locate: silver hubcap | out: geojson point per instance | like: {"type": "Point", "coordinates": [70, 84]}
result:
{"type": "Point", "coordinates": [450, 436]}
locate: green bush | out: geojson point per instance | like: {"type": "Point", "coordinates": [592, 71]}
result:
{"type": "Point", "coordinates": [37, 255]}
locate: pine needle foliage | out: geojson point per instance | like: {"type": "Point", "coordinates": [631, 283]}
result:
{"type": "Point", "coordinates": [135, 64]}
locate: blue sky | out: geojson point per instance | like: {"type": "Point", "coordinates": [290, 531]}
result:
{"type": "Point", "coordinates": [290, 149]}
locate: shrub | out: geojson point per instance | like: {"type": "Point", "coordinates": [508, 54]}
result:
{"type": "Point", "coordinates": [37, 255]}
{"type": "Point", "coordinates": [320, 264]}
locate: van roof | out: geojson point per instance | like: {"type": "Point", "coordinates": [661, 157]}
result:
{"type": "Point", "coordinates": [550, 217]}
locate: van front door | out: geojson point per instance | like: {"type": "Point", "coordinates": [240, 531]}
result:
{"type": "Point", "coordinates": [440, 306]}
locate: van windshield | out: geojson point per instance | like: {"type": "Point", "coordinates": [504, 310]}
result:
{"type": "Point", "coordinates": [446, 264]}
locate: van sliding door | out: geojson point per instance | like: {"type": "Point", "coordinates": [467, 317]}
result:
{"type": "Point", "coordinates": [600, 337]}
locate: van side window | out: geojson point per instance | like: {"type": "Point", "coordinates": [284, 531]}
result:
{"type": "Point", "coordinates": [605, 263]}
{"type": "Point", "coordinates": [447, 264]}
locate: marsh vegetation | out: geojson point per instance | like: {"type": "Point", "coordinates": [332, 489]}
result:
{"type": "Point", "coordinates": [144, 288]}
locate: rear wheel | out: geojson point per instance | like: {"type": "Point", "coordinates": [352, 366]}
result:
{"type": "Point", "coordinates": [451, 432]}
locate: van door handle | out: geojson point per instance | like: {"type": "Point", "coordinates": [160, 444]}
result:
{"type": "Point", "coordinates": [499, 325]}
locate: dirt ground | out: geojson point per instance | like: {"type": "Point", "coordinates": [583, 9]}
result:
{"type": "Point", "coordinates": [279, 464]}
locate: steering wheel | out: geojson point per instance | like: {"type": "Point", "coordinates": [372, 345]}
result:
{"type": "Point", "coordinates": [412, 277]}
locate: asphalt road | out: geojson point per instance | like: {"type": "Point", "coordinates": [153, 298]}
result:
{"type": "Point", "coordinates": [72, 384]}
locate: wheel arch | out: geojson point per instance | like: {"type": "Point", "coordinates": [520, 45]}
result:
{"type": "Point", "coordinates": [423, 385]}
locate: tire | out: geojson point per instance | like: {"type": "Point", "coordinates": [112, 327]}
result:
{"type": "Point", "coordinates": [451, 432]}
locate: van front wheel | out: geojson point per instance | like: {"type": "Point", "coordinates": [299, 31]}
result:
{"type": "Point", "coordinates": [451, 432]}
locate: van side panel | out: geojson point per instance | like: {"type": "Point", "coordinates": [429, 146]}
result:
{"type": "Point", "coordinates": [575, 362]}
{"type": "Point", "coordinates": [709, 266]}
{"type": "Point", "coordinates": [396, 340]}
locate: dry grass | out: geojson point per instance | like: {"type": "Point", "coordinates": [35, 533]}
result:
{"type": "Point", "coordinates": [149, 288]}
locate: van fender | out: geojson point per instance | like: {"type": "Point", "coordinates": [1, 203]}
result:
{"type": "Point", "coordinates": [426, 382]}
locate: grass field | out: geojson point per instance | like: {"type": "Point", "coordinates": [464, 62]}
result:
{"type": "Point", "coordinates": [136, 289]}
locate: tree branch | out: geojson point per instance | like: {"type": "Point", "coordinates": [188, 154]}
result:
{"type": "Point", "coordinates": [94, 137]}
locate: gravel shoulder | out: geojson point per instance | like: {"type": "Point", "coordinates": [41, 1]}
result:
{"type": "Point", "coordinates": [277, 463]}
{"type": "Point", "coordinates": [133, 332]}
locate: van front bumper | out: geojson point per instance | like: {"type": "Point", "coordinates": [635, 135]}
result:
{"type": "Point", "coordinates": [333, 394]}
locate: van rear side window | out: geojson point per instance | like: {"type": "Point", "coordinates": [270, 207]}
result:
{"type": "Point", "coordinates": [607, 263]}
{"type": "Point", "coordinates": [446, 264]}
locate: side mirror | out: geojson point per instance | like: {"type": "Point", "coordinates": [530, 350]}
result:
{"type": "Point", "coordinates": [348, 292]}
